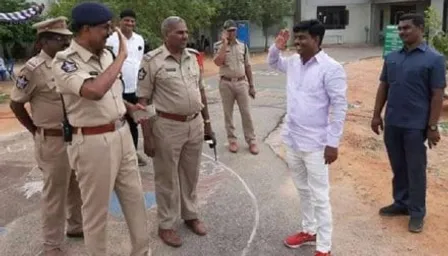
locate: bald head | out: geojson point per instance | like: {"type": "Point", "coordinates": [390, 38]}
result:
{"type": "Point", "coordinates": [170, 23]}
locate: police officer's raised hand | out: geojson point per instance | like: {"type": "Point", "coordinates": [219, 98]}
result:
{"type": "Point", "coordinates": [377, 124]}
{"type": "Point", "coordinates": [282, 38]}
{"type": "Point", "coordinates": [122, 50]}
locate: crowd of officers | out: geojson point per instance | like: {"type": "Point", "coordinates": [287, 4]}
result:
{"type": "Point", "coordinates": [77, 83]}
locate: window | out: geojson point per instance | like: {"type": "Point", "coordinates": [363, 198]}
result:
{"type": "Point", "coordinates": [333, 17]}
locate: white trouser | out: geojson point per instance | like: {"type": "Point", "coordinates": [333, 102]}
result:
{"type": "Point", "coordinates": [310, 175]}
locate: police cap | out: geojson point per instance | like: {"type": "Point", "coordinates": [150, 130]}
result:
{"type": "Point", "coordinates": [91, 14]}
{"type": "Point", "coordinates": [54, 25]}
{"type": "Point", "coordinates": [230, 25]}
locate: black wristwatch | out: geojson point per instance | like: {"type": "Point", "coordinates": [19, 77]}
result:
{"type": "Point", "coordinates": [433, 127]}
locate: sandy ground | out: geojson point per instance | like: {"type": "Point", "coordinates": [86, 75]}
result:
{"type": "Point", "coordinates": [364, 166]}
{"type": "Point", "coordinates": [363, 172]}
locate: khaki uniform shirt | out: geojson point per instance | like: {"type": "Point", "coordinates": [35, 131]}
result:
{"type": "Point", "coordinates": [237, 58]}
{"type": "Point", "coordinates": [171, 86]}
{"type": "Point", "coordinates": [72, 68]}
{"type": "Point", "coordinates": [36, 85]}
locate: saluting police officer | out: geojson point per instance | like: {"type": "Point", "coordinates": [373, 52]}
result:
{"type": "Point", "coordinates": [232, 57]}
{"type": "Point", "coordinates": [36, 85]}
{"type": "Point", "coordinates": [170, 79]}
{"type": "Point", "coordinates": [102, 151]}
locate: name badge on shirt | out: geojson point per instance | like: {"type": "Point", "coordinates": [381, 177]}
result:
{"type": "Point", "coordinates": [93, 73]}
{"type": "Point", "coordinates": [170, 69]}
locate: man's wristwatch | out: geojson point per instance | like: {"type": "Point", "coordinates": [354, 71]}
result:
{"type": "Point", "coordinates": [207, 121]}
{"type": "Point", "coordinates": [433, 127]}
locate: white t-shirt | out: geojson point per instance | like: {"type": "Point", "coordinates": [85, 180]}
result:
{"type": "Point", "coordinates": [136, 46]}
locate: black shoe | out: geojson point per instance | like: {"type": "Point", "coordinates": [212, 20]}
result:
{"type": "Point", "coordinates": [393, 210]}
{"type": "Point", "coordinates": [415, 225]}
{"type": "Point", "coordinates": [75, 235]}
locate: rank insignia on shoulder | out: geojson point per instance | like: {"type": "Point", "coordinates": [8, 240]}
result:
{"type": "Point", "coordinates": [21, 82]}
{"type": "Point", "coordinates": [141, 74]}
{"type": "Point", "coordinates": [69, 66]}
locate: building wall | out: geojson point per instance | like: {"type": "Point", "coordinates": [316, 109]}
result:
{"type": "Point", "coordinates": [359, 20]}
{"type": "Point", "coordinates": [257, 39]}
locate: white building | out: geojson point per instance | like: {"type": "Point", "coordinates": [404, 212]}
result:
{"type": "Point", "coordinates": [362, 21]}
{"type": "Point", "coordinates": [352, 21]}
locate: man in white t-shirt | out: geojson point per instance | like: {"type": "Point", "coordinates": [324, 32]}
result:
{"type": "Point", "coordinates": [135, 46]}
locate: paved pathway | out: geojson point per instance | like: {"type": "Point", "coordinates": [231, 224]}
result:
{"type": "Point", "coordinates": [248, 202]}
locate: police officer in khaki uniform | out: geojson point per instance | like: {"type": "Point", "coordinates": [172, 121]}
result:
{"type": "Point", "coordinates": [170, 79]}
{"type": "Point", "coordinates": [232, 57]}
{"type": "Point", "coordinates": [36, 85]}
{"type": "Point", "coordinates": [101, 151]}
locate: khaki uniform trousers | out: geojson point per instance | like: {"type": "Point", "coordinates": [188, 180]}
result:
{"type": "Point", "coordinates": [103, 163]}
{"type": "Point", "coordinates": [178, 151]}
{"type": "Point", "coordinates": [236, 91]}
{"type": "Point", "coordinates": [61, 199]}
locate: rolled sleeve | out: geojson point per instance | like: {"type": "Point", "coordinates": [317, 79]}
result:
{"type": "Point", "coordinates": [336, 87]}
{"type": "Point", "coordinates": [145, 84]}
{"type": "Point", "coordinates": [275, 61]}
{"type": "Point", "coordinates": [437, 75]}
{"type": "Point", "coordinates": [69, 82]}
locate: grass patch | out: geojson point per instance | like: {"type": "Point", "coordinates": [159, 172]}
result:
{"type": "Point", "coordinates": [3, 98]}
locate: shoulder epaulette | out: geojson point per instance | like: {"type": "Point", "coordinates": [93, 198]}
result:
{"type": "Point", "coordinates": [193, 51]}
{"type": "Point", "coordinates": [34, 62]}
{"type": "Point", "coordinates": [149, 55]}
{"type": "Point", "coordinates": [65, 53]}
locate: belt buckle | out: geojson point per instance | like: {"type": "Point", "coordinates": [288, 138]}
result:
{"type": "Point", "coordinates": [118, 124]}
{"type": "Point", "coordinates": [190, 117]}
{"type": "Point", "coordinates": [234, 79]}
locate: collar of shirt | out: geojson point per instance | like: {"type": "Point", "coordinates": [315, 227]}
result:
{"type": "Point", "coordinates": [422, 47]}
{"type": "Point", "coordinates": [83, 52]}
{"type": "Point", "coordinates": [46, 57]}
{"type": "Point", "coordinates": [166, 53]}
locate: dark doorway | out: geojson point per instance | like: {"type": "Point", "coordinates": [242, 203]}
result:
{"type": "Point", "coordinates": [397, 10]}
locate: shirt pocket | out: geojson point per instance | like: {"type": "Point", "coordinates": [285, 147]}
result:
{"type": "Point", "coordinates": [391, 72]}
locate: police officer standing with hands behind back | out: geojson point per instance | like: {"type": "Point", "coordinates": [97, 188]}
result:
{"type": "Point", "coordinates": [36, 85]}
{"type": "Point", "coordinates": [101, 151]}
{"type": "Point", "coordinates": [170, 79]}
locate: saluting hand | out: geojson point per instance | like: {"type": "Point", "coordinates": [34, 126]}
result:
{"type": "Point", "coordinates": [122, 50]}
{"type": "Point", "coordinates": [282, 38]}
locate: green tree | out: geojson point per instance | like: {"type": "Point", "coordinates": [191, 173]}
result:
{"type": "Point", "coordinates": [271, 15]}
{"type": "Point", "coordinates": [150, 13]}
{"type": "Point", "coordinates": [435, 35]}
{"type": "Point", "coordinates": [14, 37]}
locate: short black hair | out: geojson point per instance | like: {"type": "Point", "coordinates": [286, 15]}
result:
{"type": "Point", "coordinates": [313, 27]}
{"type": "Point", "coordinates": [417, 19]}
{"type": "Point", "coordinates": [128, 13]}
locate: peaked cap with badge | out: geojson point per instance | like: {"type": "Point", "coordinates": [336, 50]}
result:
{"type": "Point", "coordinates": [55, 25]}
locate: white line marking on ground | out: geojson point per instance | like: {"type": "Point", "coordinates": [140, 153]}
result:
{"type": "Point", "coordinates": [254, 202]}
{"type": "Point", "coordinates": [32, 187]}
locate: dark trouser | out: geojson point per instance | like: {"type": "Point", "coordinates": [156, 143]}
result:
{"type": "Point", "coordinates": [132, 98]}
{"type": "Point", "coordinates": [407, 156]}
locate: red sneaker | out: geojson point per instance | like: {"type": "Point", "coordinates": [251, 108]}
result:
{"type": "Point", "coordinates": [322, 253]}
{"type": "Point", "coordinates": [297, 240]}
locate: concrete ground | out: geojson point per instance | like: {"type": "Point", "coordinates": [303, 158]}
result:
{"type": "Point", "coordinates": [248, 202]}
